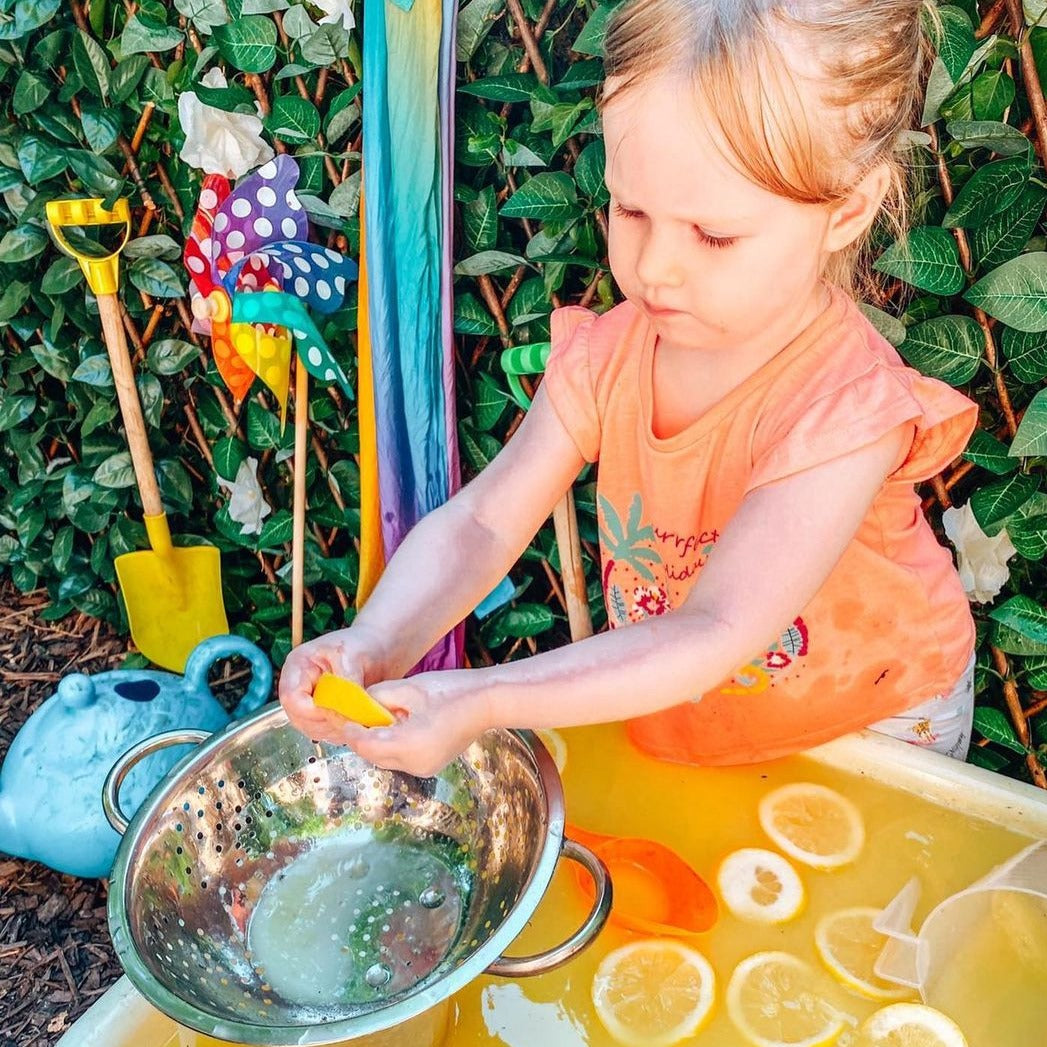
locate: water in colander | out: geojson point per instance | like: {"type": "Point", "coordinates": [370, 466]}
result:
{"type": "Point", "coordinates": [359, 917]}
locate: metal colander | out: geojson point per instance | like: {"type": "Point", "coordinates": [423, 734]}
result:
{"type": "Point", "coordinates": [274, 890]}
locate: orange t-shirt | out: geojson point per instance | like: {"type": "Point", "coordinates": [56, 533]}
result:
{"type": "Point", "coordinates": [891, 626]}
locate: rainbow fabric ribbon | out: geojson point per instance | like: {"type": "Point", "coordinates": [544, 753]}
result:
{"type": "Point", "coordinates": [408, 442]}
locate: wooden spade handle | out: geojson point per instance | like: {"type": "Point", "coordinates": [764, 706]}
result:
{"type": "Point", "coordinates": [130, 406]}
{"type": "Point", "coordinates": [565, 523]}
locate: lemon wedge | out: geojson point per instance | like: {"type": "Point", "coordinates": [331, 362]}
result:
{"type": "Point", "coordinates": [909, 1025]}
{"type": "Point", "coordinates": [350, 700]}
{"type": "Point", "coordinates": [849, 946]}
{"type": "Point", "coordinates": [554, 742]}
{"type": "Point", "coordinates": [653, 993]}
{"type": "Point", "coordinates": [775, 999]}
{"type": "Point", "coordinates": [760, 886]}
{"type": "Point", "coordinates": [813, 824]}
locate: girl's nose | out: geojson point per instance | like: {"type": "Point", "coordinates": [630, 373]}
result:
{"type": "Point", "coordinates": [657, 263]}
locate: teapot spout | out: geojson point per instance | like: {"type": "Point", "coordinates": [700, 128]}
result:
{"type": "Point", "coordinates": [11, 839]}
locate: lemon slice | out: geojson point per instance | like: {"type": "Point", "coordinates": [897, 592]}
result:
{"type": "Point", "coordinates": [776, 1000]}
{"type": "Point", "coordinates": [554, 742]}
{"type": "Point", "coordinates": [760, 886]}
{"type": "Point", "coordinates": [813, 824]}
{"type": "Point", "coordinates": [350, 700]}
{"type": "Point", "coordinates": [910, 1025]}
{"type": "Point", "coordinates": [653, 993]}
{"type": "Point", "coordinates": [849, 946]}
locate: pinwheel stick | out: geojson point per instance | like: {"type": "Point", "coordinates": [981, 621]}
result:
{"type": "Point", "coordinates": [301, 437]}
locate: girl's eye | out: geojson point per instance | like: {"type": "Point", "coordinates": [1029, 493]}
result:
{"type": "Point", "coordinates": [713, 241]}
{"type": "Point", "coordinates": [624, 212]}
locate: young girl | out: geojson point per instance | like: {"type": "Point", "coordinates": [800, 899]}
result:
{"type": "Point", "coordinates": [770, 579]}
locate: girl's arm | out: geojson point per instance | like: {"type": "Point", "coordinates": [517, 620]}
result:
{"type": "Point", "coordinates": [746, 591]}
{"type": "Point", "coordinates": [446, 565]}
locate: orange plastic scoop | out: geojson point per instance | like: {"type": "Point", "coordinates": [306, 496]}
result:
{"type": "Point", "coordinates": [350, 700]}
{"type": "Point", "coordinates": [655, 890]}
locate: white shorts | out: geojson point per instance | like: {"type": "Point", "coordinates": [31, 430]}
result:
{"type": "Point", "coordinates": [942, 723]}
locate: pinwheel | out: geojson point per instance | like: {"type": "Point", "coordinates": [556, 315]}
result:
{"type": "Point", "coordinates": [254, 273]}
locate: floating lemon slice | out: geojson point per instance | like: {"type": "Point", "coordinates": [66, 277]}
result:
{"type": "Point", "coordinates": [760, 886]}
{"type": "Point", "coordinates": [813, 824]}
{"type": "Point", "coordinates": [776, 1000]}
{"type": "Point", "coordinates": [653, 993]}
{"type": "Point", "coordinates": [910, 1025]}
{"type": "Point", "coordinates": [554, 742]}
{"type": "Point", "coordinates": [849, 946]}
{"type": "Point", "coordinates": [350, 700]}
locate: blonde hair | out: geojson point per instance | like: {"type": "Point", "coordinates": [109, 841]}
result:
{"type": "Point", "coordinates": [754, 64]}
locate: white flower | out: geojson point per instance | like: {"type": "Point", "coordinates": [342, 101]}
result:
{"type": "Point", "coordinates": [982, 560]}
{"type": "Point", "coordinates": [247, 504]}
{"type": "Point", "coordinates": [336, 11]}
{"type": "Point", "coordinates": [218, 142]}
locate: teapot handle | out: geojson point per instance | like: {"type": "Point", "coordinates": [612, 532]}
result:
{"type": "Point", "coordinates": [216, 648]}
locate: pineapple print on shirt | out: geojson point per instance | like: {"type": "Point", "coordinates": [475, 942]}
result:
{"type": "Point", "coordinates": [638, 583]}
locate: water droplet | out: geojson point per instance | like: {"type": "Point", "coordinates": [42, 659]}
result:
{"type": "Point", "coordinates": [378, 975]}
{"type": "Point", "coordinates": [432, 898]}
{"type": "Point", "coordinates": [357, 868]}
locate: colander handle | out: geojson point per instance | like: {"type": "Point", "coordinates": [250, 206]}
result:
{"type": "Point", "coordinates": [122, 768]}
{"type": "Point", "coordinates": [527, 966]}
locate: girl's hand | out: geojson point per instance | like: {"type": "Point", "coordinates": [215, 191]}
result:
{"type": "Point", "coordinates": [438, 715]}
{"type": "Point", "coordinates": [345, 653]}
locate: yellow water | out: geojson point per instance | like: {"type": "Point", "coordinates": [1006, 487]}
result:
{"type": "Point", "coordinates": [704, 814]}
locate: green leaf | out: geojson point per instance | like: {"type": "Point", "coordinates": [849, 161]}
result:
{"type": "Point", "coordinates": [1026, 354]}
{"type": "Point", "coordinates": [204, 14]}
{"type": "Point", "coordinates": [956, 42]}
{"type": "Point", "coordinates": [993, 504]}
{"type": "Point", "coordinates": [889, 326]}
{"type": "Point", "coordinates": [988, 758]}
{"type": "Point", "coordinates": [101, 125]}
{"type": "Point", "coordinates": [62, 276]}
{"type": "Point", "coordinates": [96, 172]}
{"type": "Point", "coordinates": [588, 172]}
{"type": "Point", "coordinates": [474, 23]}
{"type": "Point", "coordinates": [293, 119]}
{"type": "Point", "coordinates": [101, 414]}
{"type": "Point", "coordinates": [489, 403]}
{"type": "Point", "coordinates": [345, 197]}
{"type": "Point", "coordinates": [95, 371]}
{"type": "Point", "coordinates": [40, 159]}
{"type": "Point", "coordinates": [549, 197]}
{"type": "Point", "coordinates": [90, 62]}
{"type": "Point", "coordinates": [326, 45]}
{"type": "Point", "coordinates": [1012, 642]}
{"type": "Point", "coordinates": [249, 43]}
{"type": "Point", "coordinates": [488, 262]}
{"type": "Point", "coordinates": [509, 87]}
{"type": "Point", "coordinates": [989, 134]}
{"type": "Point", "coordinates": [115, 472]}
{"type": "Point", "coordinates": [471, 316]}
{"type": "Point", "coordinates": [12, 299]}
{"type": "Point", "coordinates": [1029, 535]}
{"type": "Point", "coordinates": [14, 410]}
{"type": "Point", "coordinates": [927, 258]}
{"type": "Point", "coordinates": [125, 77]}
{"type": "Point", "coordinates": [57, 360]}
{"type": "Point", "coordinates": [991, 93]}
{"type": "Point", "coordinates": [263, 429]}
{"type": "Point", "coordinates": [1005, 234]}
{"type": "Point", "coordinates": [590, 40]}
{"type": "Point", "coordinates": [228, 453]}
{"type": "Point", "coordinates": [155, 277]}
{"type": "Point", "coordinates": [156, 246]}
{"type": "Point", "coordinates": [29, 15]}
{"type": "Point", "coordinates": [1031, 437]}
{"type": "Point", "coordinates": [30, 93]}
{"type": "Point", "coordinates": [22, 243]}
{"type": "Point", "coordinates": [994, 725]}
{"type": "Point", "coordinates": [170, 355]}
{"type": "Point", "coordinates": [1024, 616]}
{"type": "Point", "coordinates": [988, 452]}
{"type": "Point", "coordinates": [1015, 293]}
{"type": "Point", "coordinates": [990, 189]}
{"type": "Point", "coordinates": [139, 37]}
{"type": "Point", "coordinates": [277, 530]}
{"type": "Point", "coordinates": [945, 347]}
{"type": "Point", "coordinates": [480, 220]}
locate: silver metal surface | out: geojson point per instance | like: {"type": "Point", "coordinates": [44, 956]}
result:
{"type": "Point", "coordinates": [371, 895]}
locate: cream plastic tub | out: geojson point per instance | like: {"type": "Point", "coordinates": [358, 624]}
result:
{"type": "Point", "coordinates": [122, 1018]}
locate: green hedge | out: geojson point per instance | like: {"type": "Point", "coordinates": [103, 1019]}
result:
{"type": "Point", "coordinates": [90, 106]}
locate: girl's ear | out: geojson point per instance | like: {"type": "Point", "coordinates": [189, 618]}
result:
{"type": "Point", "coordinates": [853, 215]}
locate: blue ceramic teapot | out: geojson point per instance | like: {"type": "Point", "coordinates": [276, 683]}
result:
{"type": "Point", "coordinates": [51, 781]}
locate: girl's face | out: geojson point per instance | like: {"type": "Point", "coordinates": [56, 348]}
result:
{"type": "Point", "coordinates": [714, 260]}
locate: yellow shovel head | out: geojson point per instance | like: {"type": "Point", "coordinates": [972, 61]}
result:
{"type": "Point", "coordinates": [173, 600]}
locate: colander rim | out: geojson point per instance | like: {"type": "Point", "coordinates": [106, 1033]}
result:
{"type": "Point", "coordinates": [183, 1012]}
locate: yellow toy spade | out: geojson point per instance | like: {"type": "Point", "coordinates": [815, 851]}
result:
{"type": "Point", "coordinates": [173, 595]}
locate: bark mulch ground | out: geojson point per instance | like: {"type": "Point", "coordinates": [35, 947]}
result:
{"type": "Point", "coordinates": [55, 955]}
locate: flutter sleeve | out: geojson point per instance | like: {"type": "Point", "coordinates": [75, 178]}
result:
{"type": "Point", "coordinates": [859, 413]}
{"type": "Point", "coordinates": [569, 379]}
